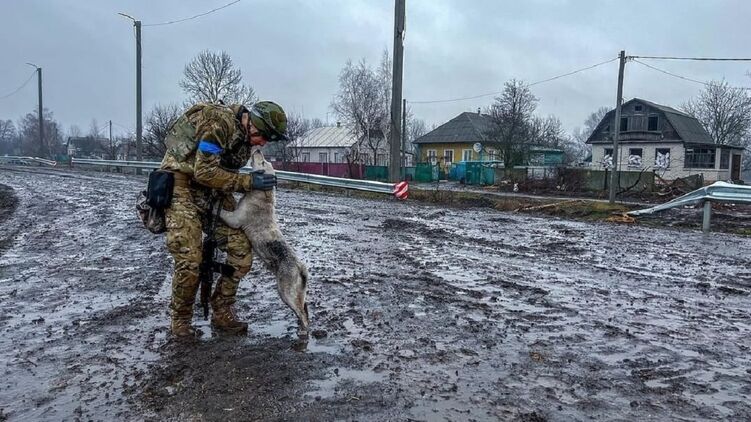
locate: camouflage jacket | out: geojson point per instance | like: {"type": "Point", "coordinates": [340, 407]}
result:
{"type": "Point", "coordinates": [208, 144]}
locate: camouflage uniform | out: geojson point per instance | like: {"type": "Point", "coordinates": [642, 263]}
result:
{"type": "Point", "coordinates": [205, 147]}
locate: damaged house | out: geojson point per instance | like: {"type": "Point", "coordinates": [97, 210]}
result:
{"type": "Point", "coordinates": [658, 138]}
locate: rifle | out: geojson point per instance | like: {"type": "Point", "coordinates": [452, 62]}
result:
{"type": "Point", "coordinates": [208, 255]}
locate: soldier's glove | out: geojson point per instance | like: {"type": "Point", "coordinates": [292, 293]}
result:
{"type": "Point", "coordinates": [262, 181]}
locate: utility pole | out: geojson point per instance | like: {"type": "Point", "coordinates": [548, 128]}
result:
{"type": "Point", "coordinates": [139, 125]}
{"type": "Point", "coordinates": [404, 135]}
{"type": "Point", "coordinates": [396, 91]}
{"type": "Point", "coordinates": [42, 149]}
{"type": "Point", "coordinates": [614, 184]}
{"type": "Point", "coordinates": [114, 158]}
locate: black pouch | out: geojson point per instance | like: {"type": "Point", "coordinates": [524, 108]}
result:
{"type": "Point", "coordinates": [159, 191]}
{"type": "Point", "coordinates": [152, 218]}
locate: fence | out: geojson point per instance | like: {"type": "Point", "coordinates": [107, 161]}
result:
{"type": "Point", "coordinates": [352, 171]}
{"type": "Point", "coordinates": [575, 178]}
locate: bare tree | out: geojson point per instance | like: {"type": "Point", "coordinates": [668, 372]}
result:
{"type": "Point", "coordinates": [316, 122]}
{"type": "Point", "coordinates": [363, 102]}
{"type": "Point", "coordinates": [213, 78]}
{"type": "Point", "coordinates": [297, 127]}
{"type": "Point", "coordinates": [578, 142]}
{"type": "Point", "coordinates": [8, 137]}
{"type": "Point", "coordinates": [511, 121]}
{"type": "Point", "coordinates": [415, 129]}
{"type": "Point", "coordinates": [74, 132]}
{"type": "Point", "coordinates": [95, 131]}
{"type": "Point", "coordinates": [158, 123]}
{"type": "Point", "coordinates": [547, 131]}
{"type": "Point", "coordinates": [28, 133]}
{"type": "Point", "coordinates": [724, 111]}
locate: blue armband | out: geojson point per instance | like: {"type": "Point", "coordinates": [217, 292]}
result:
{"type": "Point", "coordinates": [208, 147]}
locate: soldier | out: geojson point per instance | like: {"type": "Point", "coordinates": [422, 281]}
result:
{"type": "Point", "coordinates": [205, 148]}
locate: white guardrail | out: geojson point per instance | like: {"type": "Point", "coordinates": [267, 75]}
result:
{"type": "Point", "coordinates": [7, 159]}
{"type": "Point", "coordinates": [716, 192]}
{"type": "Point", "coordinates": [399, 190]}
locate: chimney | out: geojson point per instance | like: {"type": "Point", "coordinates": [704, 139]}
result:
{"type": "Point", "coordinates": [338, 124]}
{"type": "Point", "coordinates": [478, 110]}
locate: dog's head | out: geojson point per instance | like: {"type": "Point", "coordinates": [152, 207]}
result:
{"type": "Point", "coordinates": [258, 161]}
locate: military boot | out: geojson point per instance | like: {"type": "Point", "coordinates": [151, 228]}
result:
{"type": "Point", "coordinates": [181, 308]}
{"type": "Point", "coordinates": [223, 318]}
{"type": "Point", "coordinates": [182, 328]}
{"type": "Point", "coordinates": [223, 315]}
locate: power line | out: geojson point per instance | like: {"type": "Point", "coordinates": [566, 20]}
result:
{"type": "Point", "coordinates": [194, 16]}
{"type": "Point", "coordinates": [708, 59]}
{"type": "Point", "coordinates": [677, 76]}
{"type": "Point", "coordinates": [531, 84]}
{"type": "Point", "coordinates": [20, 87]}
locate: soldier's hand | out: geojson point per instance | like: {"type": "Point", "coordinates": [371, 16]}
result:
{"type": "Point", "coordinates": [263, 181]}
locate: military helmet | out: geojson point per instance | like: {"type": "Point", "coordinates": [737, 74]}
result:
{"type": "Point", "coordinates": [269, 118]}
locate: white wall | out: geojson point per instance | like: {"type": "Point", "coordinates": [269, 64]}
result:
{"type": "Point", "coordinates": [315, 154]}
{"type": "Point", "coordinates": [675, 169]}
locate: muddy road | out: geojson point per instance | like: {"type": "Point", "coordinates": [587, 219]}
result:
{"type": "Point", "coordinates": [421, 313]}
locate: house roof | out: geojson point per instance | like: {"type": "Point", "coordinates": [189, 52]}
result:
{"type": "Point", "coordinates": [467, 127]}
{"type": "Point", "coordinates": [687, 126]}
{"type": "Point", "coordinates": [329, 137]}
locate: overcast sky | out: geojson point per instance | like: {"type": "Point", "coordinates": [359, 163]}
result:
{"type": "Point", "coordinates": [292, 51]}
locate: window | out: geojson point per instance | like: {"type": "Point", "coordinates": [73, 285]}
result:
{"type": "Point", "coordinates": [700, 158]}
{"type": "Point", "coordinates": [366, 159]}
{"type": "Point", "coordinates": [638, 107]}
{"type": "Point", "coordinates": [607, 158]}
{"type": "Point", "coordinates": [724, 159]}
{"type": "Point", "coordinates": [432, 156]}
{"type": "Point", "coordinates": [323, 157]}
{"type": "Point", "coordinates": [491, 155]}
{"type": "Point", "coordinates": [448, 156]}
{"type": "Point", "coordinates": [662, 158]}
{"type": "Point", "coordinates": [634, 157]}
{"type": "Point", "coordinates": [466, 155]}
{"type": "Point", "coordinates": [624, 124]}
{"type": "Point", "coordinates": [305, 157]}
{"type": "Point", "coordinates": [336, 157]}
{"type": "Point", "coordinates": [382, 160]}
{"type": "Point", "coordinates": [652, 123]}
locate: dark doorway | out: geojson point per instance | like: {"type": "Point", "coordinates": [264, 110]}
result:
{"type": "Point", "coordinates": [735, 168]}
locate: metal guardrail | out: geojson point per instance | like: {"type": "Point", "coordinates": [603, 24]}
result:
{"type": "Point", "coordinates": [316, 179]}
{"type": "Point", "coordinates": [716, 192]}
{"type": "Point", "coordinates": [27, 160]}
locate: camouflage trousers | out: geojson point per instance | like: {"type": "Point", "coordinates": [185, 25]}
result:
{"type": "Point", "coordinates": [185, 223]}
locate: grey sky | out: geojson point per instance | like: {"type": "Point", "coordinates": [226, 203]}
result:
{"type": "Point", "coordinates": [292, 51]}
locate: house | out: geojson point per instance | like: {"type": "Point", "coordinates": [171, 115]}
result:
{"type": "Point", "coordinates": [336, 145]}
{"type": "Point", "coordinates": [455, 140]}
{"type": "Point", "coordinates": [328, 144]}
{"type": "Point", "coordinates": [86, 147]}
{"type": "Point", "coordinates": [665, 140]}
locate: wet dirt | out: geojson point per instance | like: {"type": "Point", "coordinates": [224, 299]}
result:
{"type": "Point", "coordinates": [418, 312]}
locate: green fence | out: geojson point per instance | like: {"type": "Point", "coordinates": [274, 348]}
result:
{"type": "Point", "coordinates": [426, 172]}
{"type": "Point", "coordinates": [380, 173]}
{"type": "Point", "coordinates": [478, 173]}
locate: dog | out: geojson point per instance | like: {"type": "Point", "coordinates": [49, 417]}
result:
{"type": "Point", "coordinates": [256, 216]}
